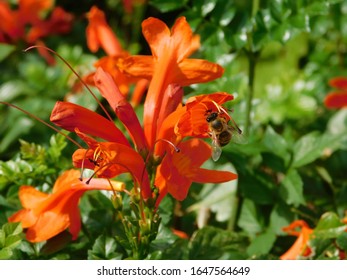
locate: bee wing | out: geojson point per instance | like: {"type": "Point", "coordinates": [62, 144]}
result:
{"type": "Point", "coordinates": [236, 132]}
{"type": "Point", "coordinates": [216, 149]}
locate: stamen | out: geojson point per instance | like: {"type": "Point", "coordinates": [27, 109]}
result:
{"type": "Point", "coordinates": [177, 150]}
{"type": "Point", "coordinates": [77, 75]}
{"type": "Point", "coordinates": [43, 122]}
{"type": "Point", "coordinates": [82, 165]}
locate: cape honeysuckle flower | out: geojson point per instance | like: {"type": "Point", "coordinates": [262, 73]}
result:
{"type": "Point", "coordinates": [300, 246]}
{"type": "Point", "coordinates": [337, 99]}
{"type": "Point", "coordinates": [109, 159]}
{"type": "Point", "coordinates": [100, 34]}
{"type": "Point", "coordinates": [190, 120]}
{"type": "Point", "coordinates": [46, 215]}
{"type": "Point", "coordinates": [178, 170]}
{"type": "Point", "coordinates": [167, 65]}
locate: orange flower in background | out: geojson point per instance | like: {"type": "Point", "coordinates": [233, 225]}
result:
{"type": "Point", "coordinates": [100, 35]}
{"type": "Point", "coordinates": [300, 246]}
{"type": "Point", "coordinates": [337, 99]}
{"type": "Point", "coordinates": [179, 169]}
{"type": "Point", "coordinates": [167, 65]}
{"type": "Point", "coordinates": [27, 23]}
{"type": "Point", "coordinates": [46, 215]}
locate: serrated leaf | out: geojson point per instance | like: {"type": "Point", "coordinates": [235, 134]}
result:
{"type": "Point", "coordinates": [13, 241]}
{"type": "Point", "coordinates": [12, 228]}
{"type": "Point", "coordinates": [104, 248]}
{"type": "Point", "coordinates": [212, 243]}
{"type": "Point", "coordinates": [292, 188]}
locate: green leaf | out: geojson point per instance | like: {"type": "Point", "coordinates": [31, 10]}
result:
{"type": "Point", "coordinates": [165, 6]}
{"type": "Point", "coordinates": [104, 248]}
{"type": "Point", "coordinates": [275, 143]}
{"type": "Point", "coordinates": [311, 146]}
{"type": "Point", "coordinates": [6, 254]}
{"type": "Point", "coordinates": [5, 50]}
{"type": "Point", "coordinates": [281, 216]}
{"type": "Point", "coordinates": [249, 220]}
{"type": "Point", "coordinates": [262, 243]}
{"type": "Point", "coordinates": [212, 243]}
{"type": "Point", "coordinates": [329, 220]}
{"type": "Point", "coordinates": [341, 241]}
{"type": "Point", "coordinates": [292, 188]}
{"type": "Point", "coordinates": [12, 228]}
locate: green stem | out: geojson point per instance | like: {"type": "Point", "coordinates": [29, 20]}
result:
{"type": "Point", "coordinates": [252, 59]}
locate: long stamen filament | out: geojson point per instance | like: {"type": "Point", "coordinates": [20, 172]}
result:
{"type": "Point", "coordinates": [177, 150]}
{"type": "Point", "coordinates": [78, 76]}
{"type": "Point", "coordinates": [43, 122]}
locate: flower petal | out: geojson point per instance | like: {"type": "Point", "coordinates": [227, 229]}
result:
{"type": "Point", "coordinates": [194, 71]}
{"type": "Point", "coordinates": [70, 116]}
{"type": "Point", "coordinates": [157, 35]}
{"type": "Point", "coordinates": [124, 111]}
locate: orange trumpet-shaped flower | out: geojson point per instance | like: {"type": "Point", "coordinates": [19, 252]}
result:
{"type": "Point", "coordinates": [99, 34]}
{"type": "Point", "coordinates": [337, 99]}
{"type": "Point", "coordinates": [167, 65]}
{"type": "Point", "coordinates": [46, 215]}
{"type": "Point", "coordinates": [179, 169]}
{"type": "Point", "coordinates": [110, 159]}
{"type": "Point", "coordinates": [300, 246]}
{"type": "Point", "coordinates": [71, 116]}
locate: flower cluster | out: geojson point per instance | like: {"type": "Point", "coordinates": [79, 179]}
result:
{"type": "Point", "coordinates": [163, 152]}
{"type": "Point", "coordinates": [28, 23]}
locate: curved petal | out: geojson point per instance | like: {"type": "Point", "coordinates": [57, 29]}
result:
{"type": "Point", "coordinates": [70, 116]}
{"type": "Point", "coordinates": [192, 71]}
{"type": "Point", "coordinates": [213, 176]}
{"type": "Point", "coordinates": [157, 35]}
{"type": "Point", "coordinates": [29, 196]}
{"type": "Point", "coordinates": [48, 225]}
{"type": "Point", "coordinates": [99, 33]}
{"type": "Point", "coordinates": [141, 66]}
{"type": "Point", "coordinates": [124, 111]}
{"type": "Point", "coordinates": [182, 37]}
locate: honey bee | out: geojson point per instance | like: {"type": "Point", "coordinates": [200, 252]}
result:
{"type": "Point", "coordinates": [222, 132]}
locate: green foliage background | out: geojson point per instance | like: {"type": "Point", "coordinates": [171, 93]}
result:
{"type": "Point", "coordinates": [278, 57]}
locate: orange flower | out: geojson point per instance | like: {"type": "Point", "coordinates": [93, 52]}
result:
{"type": "Point", "coordinates": [179, 169]}
{"type": "Point", "coordinates": [109, 159]}
{"type": "Point", "coordinates": [27, 23]}
{"type": "Point", "coordinates": [190, 120]}
{"type": "Point", "coordinates": [46, 215]}
{"type": "Point", "coordinates": [99, 34]}
{"type": "Point", "coordinates": [337, 99]}
{"type": "Point", "coordinates": [167, 65]}
{"type": "Point", "coordinates": [300, 247]}
{"type": "Point", "coordinates": [71, 116]}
